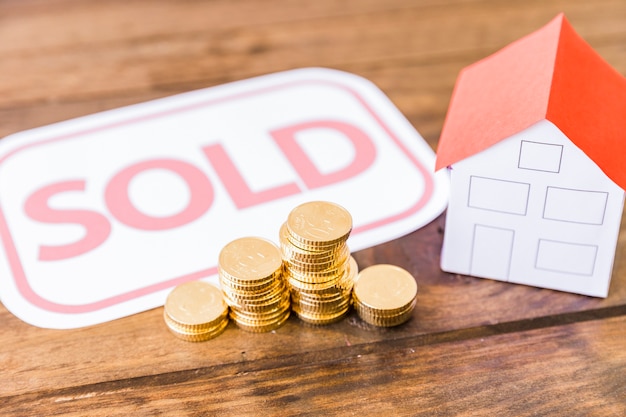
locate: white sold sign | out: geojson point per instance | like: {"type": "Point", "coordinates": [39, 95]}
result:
{"type": "Point", "coordinates": [102, 215]}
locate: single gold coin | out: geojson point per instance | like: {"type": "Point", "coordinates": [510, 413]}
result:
{"type": "Point", "coordinates": [383, 314]}
{"type": "Point", "coordinates": [250, 259]}
{"type": "Point", "coordinates": [385, 287]}
{"type": "Point", "coordinates": [195, 303]}
{"type": "Point", "coordinates": [319, 222]}
{"type": "Point", "coordinates": [384, 321]}
{"type": "Point", "coordinates": [199, 336]}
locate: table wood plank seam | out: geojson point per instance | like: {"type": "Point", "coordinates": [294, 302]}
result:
{"type": "Point", "coordinates": [330, 356]}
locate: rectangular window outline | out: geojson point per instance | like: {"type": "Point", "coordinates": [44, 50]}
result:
{"type": "Point", "coordinates": [545, 205]}
{"type": "Point", "coordinates": [519, 161]}
{"type": "Point", "coordinates": [478, 225]}
{"type": "Point", "coordinates": [593, 267]}
{"type": "Point", "coordinates": [469, 195]}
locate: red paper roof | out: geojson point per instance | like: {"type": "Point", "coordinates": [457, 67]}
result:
{"type": "Point", "coordinates": [550, 74]}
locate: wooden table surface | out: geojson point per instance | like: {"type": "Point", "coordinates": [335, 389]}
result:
{"type": "Point", "coordinates": [472, 347]}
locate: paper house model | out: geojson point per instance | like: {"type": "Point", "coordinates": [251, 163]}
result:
{"type": "Point", "coordinates": [535, 143]}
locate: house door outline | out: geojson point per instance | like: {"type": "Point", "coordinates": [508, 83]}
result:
{"type": "Point", "coordinates": [492, 250]}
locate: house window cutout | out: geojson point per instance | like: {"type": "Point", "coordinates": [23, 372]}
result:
{"type": "Point", "coordinates": [576, 206]}
{"type": "Point", "coordinates": [492, 248]}
{"type": "Point", "coordinates": [565, 257]}
{"type": "Point", "coordinates": [539, 156]}
{"type": "Point", "coordinates": [498, 195]}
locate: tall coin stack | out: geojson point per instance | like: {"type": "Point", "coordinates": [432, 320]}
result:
{"type": "Point", "coordinates": [251, 274]}
{"type": "Point", "coordinates": [318, 267]}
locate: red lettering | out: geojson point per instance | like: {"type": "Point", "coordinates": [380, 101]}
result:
{"type": "Point", "coordinates": [116, 195]}
{"type": "Point", "coordinates": [120, 206]}
{"type": "Point", "coordinates": [236, 186]}
{"type": "Point", "coordinates": [364, 155]}
{"type": "Point", "coordinates": [97, 227]}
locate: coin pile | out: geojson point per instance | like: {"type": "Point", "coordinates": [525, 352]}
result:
{"type": "Point", "coordinates": [384, 295]}
{"type": "Point", "coordinates": [318, 267]}
{"type": "Point", "coordinates": [251, 275]}
{"type": "Point", "coordinates": [195, 311]}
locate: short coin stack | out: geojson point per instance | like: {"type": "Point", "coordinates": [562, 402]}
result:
{"type": "Point", "coordinates": [384, 295]}
{"type": "Point", "coordinates": [250, 272]}
{"type": "Point", "coordinates": [318, 267]}
{"type": "Point", "coordinates": [195, 311]}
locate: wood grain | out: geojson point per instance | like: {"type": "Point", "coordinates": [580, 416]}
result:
{"type": "Point", "coordinates": [445, 303]}
{"type": "Point", "coordinates": [576, 368]}
{"type": "Point", "coordinates": [473, 347]}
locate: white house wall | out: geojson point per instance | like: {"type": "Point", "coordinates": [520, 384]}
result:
{"type": "Point", "coordinates": [533, 209]}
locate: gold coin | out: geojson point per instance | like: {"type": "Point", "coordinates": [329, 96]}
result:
{"type": "Point", "coordinates": [277, 288]}
{"type": "Point", "coordinates": [322, 277]}
{"type": "Point", "coordinates": [237, 282]}
{"type": "Point", "coordinates": [236, 287]}
{"type": "Point", "coordinates": [319, 291]}
{"type": "Point", "coordinates": [320, 319]}
{"type": "Point", "coordinates": [250, 259]}
{"type": "Point", "coordinates": [328, 304]}
{"type": "Point", "coordinates": [259, 317]}
{"type": "Point", "coordinates": [384, 321]}
{"type": "Point", "coordinates": [389, 313]}
{"type": "Point", "coordinates": [303, 256]}
{"type": "Point", "coordinates": [383, 313]}
{"type": "Point", "coordinates": [321, 308]}
{"type": "Point", "coordinates": [202, 336]}
{"type": "Point", "coordinates": [176, 327]}
{"type": "Point", "coordinates": [316, 265]}
{"type": "Point", "coordinates": [323, 292]}
{"type": "Point", "coordinates": [347, 281]}
{"type": "Point", "coordinates": [195, 303]}
{"type": "Point", "coordinates": [258, 305]}
{"type": "Point", "coordinates": [318, 268]}
{"type": "Point", "coordinates": [385, 287]}
{"type": "Point", "coordinates": [317, 248]}
{"type": "Point", "coordinates": [390, 295]}
{"type": "Point", "coordinates": [366, 312]}
{"type": "Point", "coordinates": [317, 258]}
{"type": "Point", "coordinates": [319, 222]}
{"type": "Point", "coordinates": [330, 287]}
{"type": "Point", "coordinates": [262, 328]}
{"type": "Point", "coordinates": [354, 266]}
{"type": "Point", "coordinates": [195, 328]}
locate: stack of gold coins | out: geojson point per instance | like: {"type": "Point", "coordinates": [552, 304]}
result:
{"type": "Point", "coordinates": [195, 311]}
{"type": "Point", "coordinates": [251, 274]}
{"type": "Point", "coordinates": [318, 267]}
{"type": "Point", "coordinates": [384, 295]}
